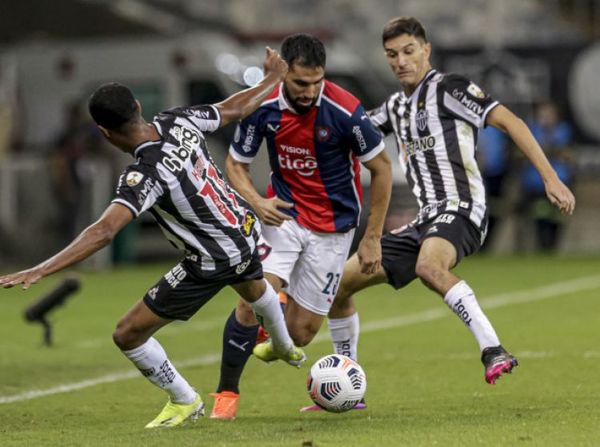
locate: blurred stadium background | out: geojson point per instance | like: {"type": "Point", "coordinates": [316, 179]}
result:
{"type": "Point", "coordinates": [57, 175]}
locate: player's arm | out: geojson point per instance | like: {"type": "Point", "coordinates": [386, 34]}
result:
{"type": "Point", "coordinates": [93, 238]}
{"type": "Point", "coordinates": [558, 193]}
{"type": "Point", "coordinates": [267, 209]}
{"type": "Point", "coordinates": [247, 101]}
{"type": "Point", "coordinates": [369, 249]}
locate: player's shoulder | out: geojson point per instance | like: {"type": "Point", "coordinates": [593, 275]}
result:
{"type": "Point", "coordinates": [453, 80]}
{"type": "Point", "coordinates": [340, 97]}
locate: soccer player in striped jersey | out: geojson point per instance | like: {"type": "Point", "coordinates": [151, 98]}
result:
{"type": "Point", "coordinates": [174, 178]}
{"type": "Point", "coordinates": [317, 134]}
{"type": "Point", "coordinates": [435, 119]}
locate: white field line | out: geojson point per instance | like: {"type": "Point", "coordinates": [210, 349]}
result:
{"type": "Point", "coordinates": [492, 302]}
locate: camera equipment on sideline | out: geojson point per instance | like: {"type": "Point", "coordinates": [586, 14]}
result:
{"type": "Point", "coordinates": [37, 311]}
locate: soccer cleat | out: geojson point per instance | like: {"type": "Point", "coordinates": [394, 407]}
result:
{"type": "Point", "coordinates": [359, 406]}
{"type": "Point", "coordinates": [266, 353]}
{"type": "Point", "coordinates": [176, 414]}
{"type": "Point", "coordinates": [262, 335]}
{"type": "Point", "coordinates": [497, 361]}
{"type": "Point", "coordinates": [226, 405]}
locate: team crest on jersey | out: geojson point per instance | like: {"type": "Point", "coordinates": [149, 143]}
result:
{"type": "Point", "coordinates": [323, 133]}
{"type": "Point", "coordinates": [421, 118]}
{"type": "Point", "coordinates": [475, 91]}
{"type": "Point", "coordinates": [248, 225]}
{"type": "Point", "coordinates": [134, 178]}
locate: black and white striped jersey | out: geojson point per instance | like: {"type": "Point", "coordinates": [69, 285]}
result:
{"type": "Point", "coordinates": [436, 130]}
{"type": "Point", "coordinates": [176, 179]}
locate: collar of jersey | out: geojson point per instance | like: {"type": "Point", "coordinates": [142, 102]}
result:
{"type": "Point", "coordinates": [148, 143]}
{"type": "Point", "coordinates": [284, 105]}
{"type": "Point", "coordinates": [428, 75]}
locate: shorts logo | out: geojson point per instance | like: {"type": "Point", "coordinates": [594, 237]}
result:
{"type": "Point", "coordinates": [176, 275]}
{"type": "Point", "coordinates": [445, 218]}
{"type": "Point", "coordinates": [152, 292]}
{"type": "Point", "coordinates": [323, 133]}
{"type": "Point", "coordinates": [243, 266]}
{"type": "Point", "coordinates": [432, 229]}
{"type": "Point", "coordinates": [134, 178]}
{"type": "Point", "coordinates": [248, 225]}
{"type": "Point", "coordinates": [421, 118]}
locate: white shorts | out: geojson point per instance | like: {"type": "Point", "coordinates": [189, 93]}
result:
{"type": "Point", "coordinates": [310, 263]}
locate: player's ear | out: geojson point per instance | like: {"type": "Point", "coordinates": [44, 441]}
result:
{"type": "Point", "coordinates": [104, 131]}
{"type": "Point", "coordinates": [138, 107]}
{"type": "Point", "coordinates": [427, 49]}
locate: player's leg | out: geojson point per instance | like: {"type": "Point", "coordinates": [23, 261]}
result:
{"type": "Point", "coordinates": [240, 332]}
{"type": "Point", "coordinates": [343, 320]}
{"type": "Point", "coordinates": [133, 335]}
{"type": "Point", "coordinates": [265, 303]}
{"type": "Point", "coordinates": [455, 237]}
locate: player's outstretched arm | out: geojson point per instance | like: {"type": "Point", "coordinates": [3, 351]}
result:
{"type": "Point", "coordinates": [241, 180]}
{"type": "Point", "coordinates": [247, 101]}
{"type": "Point", "coordinates": [92, 239]}
{"type": "Point", "coordinates": [369, 249]}
{"type": "Point", "coordinates": [556, 191]}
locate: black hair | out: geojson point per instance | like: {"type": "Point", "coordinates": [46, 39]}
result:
{"type": "Point", "coordinates": [303, 49]}
{"type": "Point", "coordinates": [112, 105]}
{"type": "Point", "coordinates": [403, 25]}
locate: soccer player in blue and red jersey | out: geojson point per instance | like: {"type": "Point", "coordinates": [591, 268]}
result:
{"type": "Point", "coordinates": [317, 135]}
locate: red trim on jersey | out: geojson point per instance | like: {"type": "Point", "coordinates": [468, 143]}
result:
{"type": "Point", "coordinates": [308, 191]}
{"type": "Point", "coordinates": [340, 96]}
{"type": "Point", "coordinates": [357, 183]}
{"type": "Point", "coordinates": [274, 94]}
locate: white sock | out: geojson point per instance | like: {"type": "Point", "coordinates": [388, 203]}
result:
{"type": "Point", "coordinates": [344, 334]}
{"type": "Point", "coordinates": [151, 359]}
{"type": "Point", "coordinates": [461, 299]}
{"type": "Point", "coordinates": [268, 310]}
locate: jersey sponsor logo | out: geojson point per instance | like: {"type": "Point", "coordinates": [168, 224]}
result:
{"type": "Point", "coordinates": [250, 134]}
{"type": "Point", "coordinates": [248, 225]}
{"type": "Point", "coordinates": [360, 139]}
{"type": "Point", "coordinates": [134, 178]}
{"type": "Point", "coordinates": [421, 118]}
{"type": "Point", "coordinates": [471, 105]}
{"type": "Point", "coordinates": [475, 91]}
{"type": "Point", "coordinates": [305, 166]}
{"type": "Point", "coordinates": [175, 275]}
{"type": "Point", "coordinates": [323, 133]}
{"type": "Point", "coordinates": [420, 145]}
{"type": "Point", "coordinates": [188, 142]}
{"type": "Point", "coordinates": [143, 195]}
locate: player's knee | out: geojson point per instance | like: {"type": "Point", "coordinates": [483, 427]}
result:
{"type": "Point", "coordinates": [302, 338]}
{"type": "Point", "coordinates": [428, 272]}
{"type": "Point", "coordinates": [125, 337]}
{"type": "Point", "coordinates": [244, 314]}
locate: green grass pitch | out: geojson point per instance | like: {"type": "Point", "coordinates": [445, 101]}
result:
{"type": "Point", "coordinates": [425, 380]}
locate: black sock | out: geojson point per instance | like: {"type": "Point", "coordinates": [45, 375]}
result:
{"type": "Point", "coordinates": [238, 342]}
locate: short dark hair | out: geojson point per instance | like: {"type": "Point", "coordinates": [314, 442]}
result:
{"type": "Point", "coordinates": [303, 49]}
{"type": "Point", "coordinates": [403, 25]}
{"type": "Point", "coordinates": [112, 105]}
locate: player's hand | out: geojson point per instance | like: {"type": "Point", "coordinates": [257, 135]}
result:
{"type": "Point", "coordinates": [369, 254]}
{"type": "Point", "coordinates": [560, 196]}
{"type": "Point", "coordinates": [268, 211]}
{"type": "Point", "coordinates": [25, 277]}
{"type": "Point", "coordinates": [275, 64]}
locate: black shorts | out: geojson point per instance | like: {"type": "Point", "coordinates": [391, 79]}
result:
{"type": "Point", "coordinates": [400, 248]}
{"type": "Point", "coordinates": [186, 288]}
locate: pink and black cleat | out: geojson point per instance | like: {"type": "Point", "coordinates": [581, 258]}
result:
{"type": "Point", "coordinates": [497, 361]}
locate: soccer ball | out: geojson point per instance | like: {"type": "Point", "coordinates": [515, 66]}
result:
{"type": "Point", "coordinates": [336, 383]}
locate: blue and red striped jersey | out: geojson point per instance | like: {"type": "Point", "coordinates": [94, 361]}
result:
{"type": "Point", "coordinates": [315, 156]}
